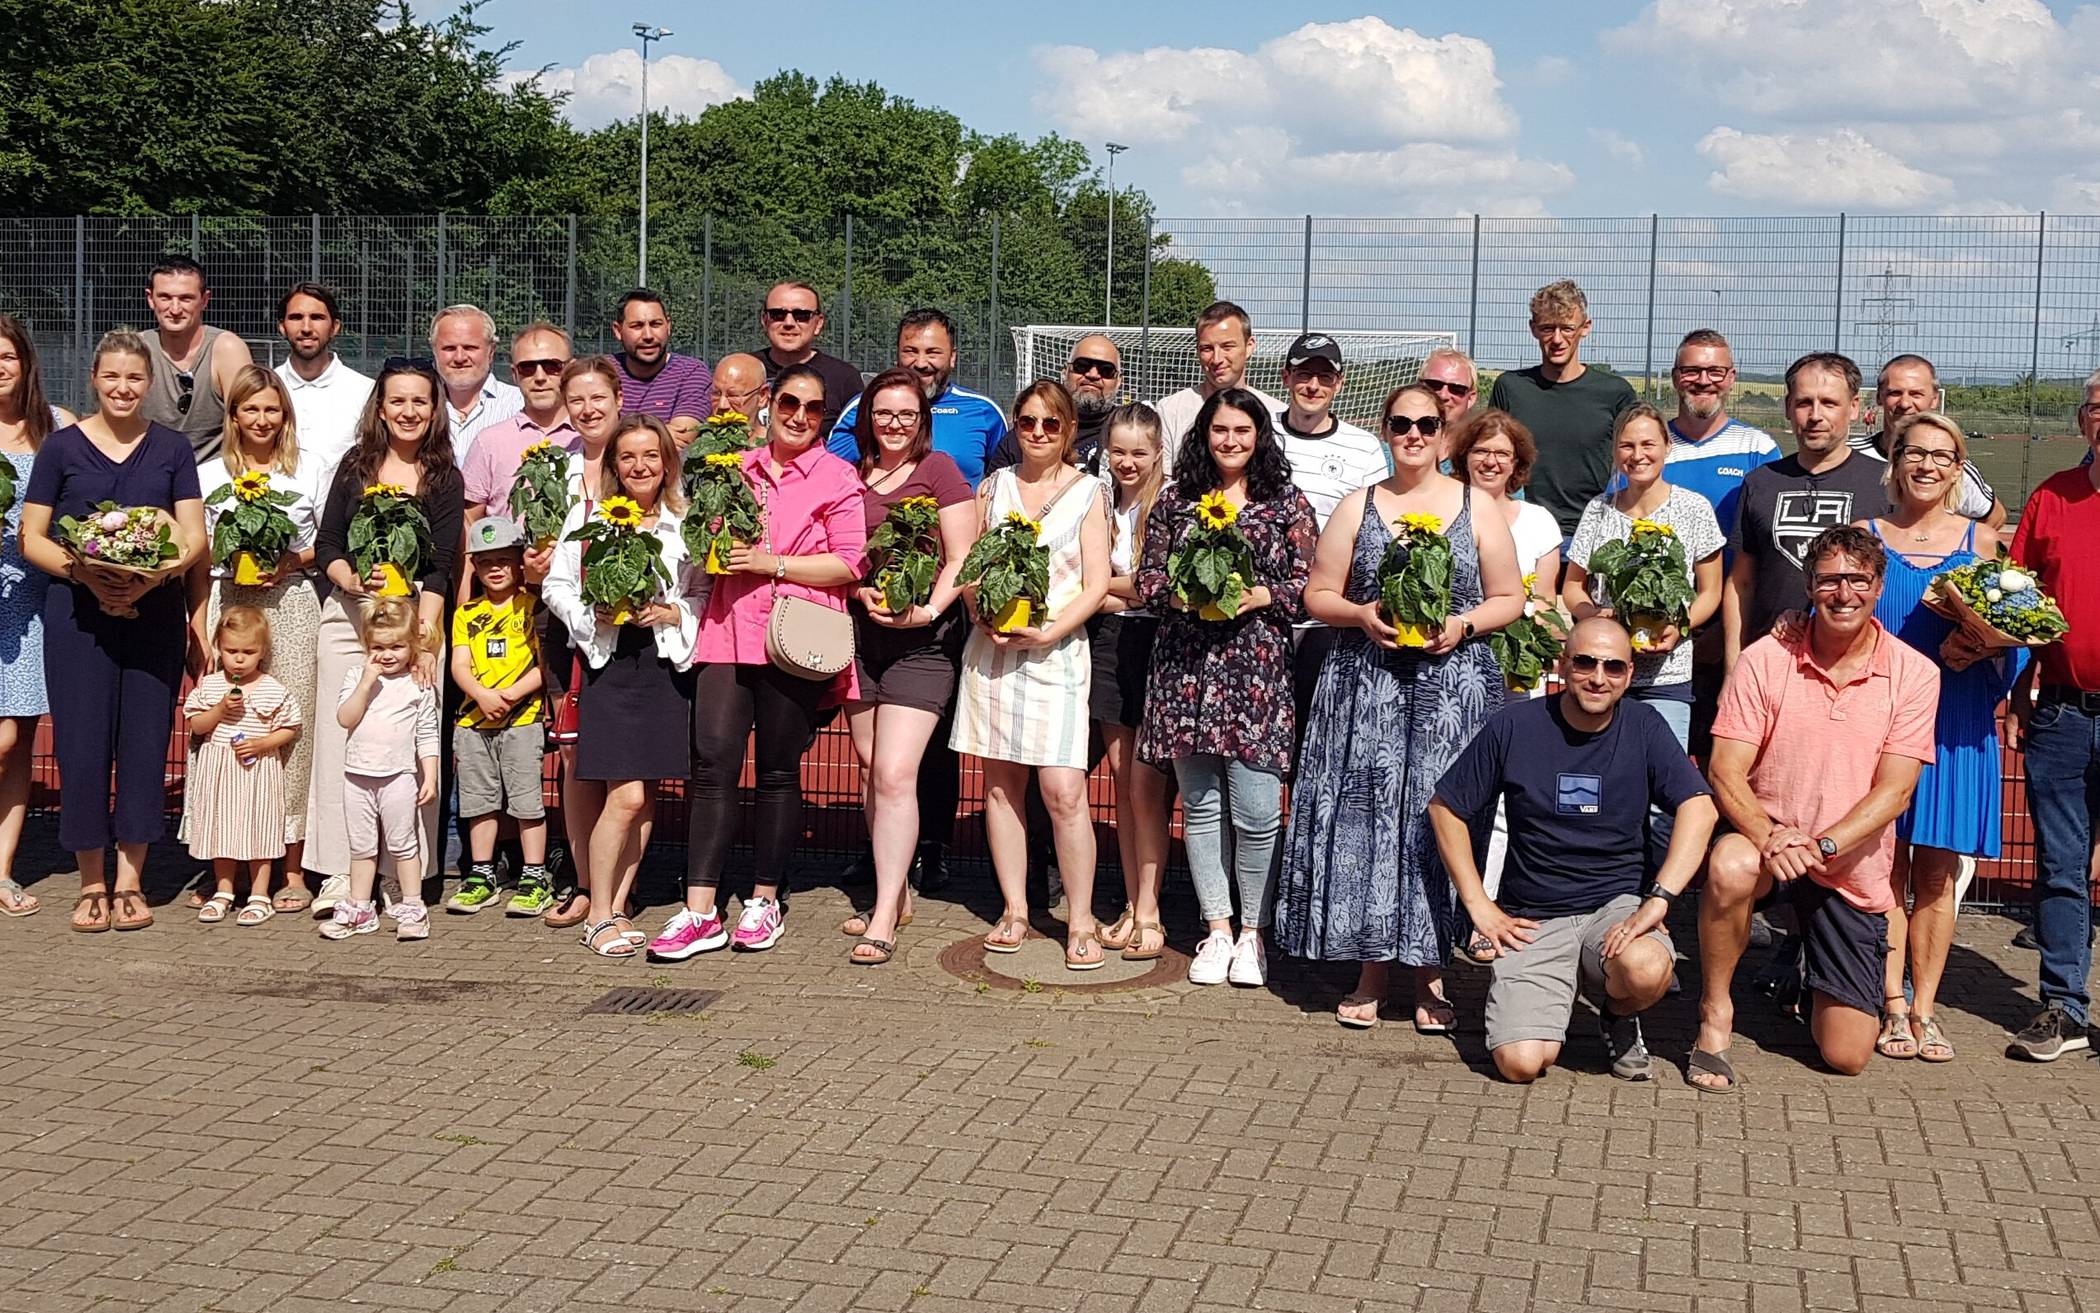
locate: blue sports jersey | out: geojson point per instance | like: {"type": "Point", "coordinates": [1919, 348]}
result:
{"type": "Point", "coordinates": [966, 425]}
{"type": "Point", "coordinates": [1715, 468]}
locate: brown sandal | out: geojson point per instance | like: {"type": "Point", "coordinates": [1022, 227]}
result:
{"type": "Point", "coordinates": [996, 941]}
{"type": "Point", "coordinates": [122, 898]}
{"type": "Point", "coordinates": [573, 910]}
{"type": "Point", "coordinates": [856, 925]}
{"type": "Point", "coordinates": [1137, 952]}
{"type": "Point", "coordinates": [98, 916]}
{"type": "Point", "coordinates": [1119, 933]}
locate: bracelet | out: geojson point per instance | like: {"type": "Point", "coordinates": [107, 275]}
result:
{"type": "Point", "coordinates": [780, 567]}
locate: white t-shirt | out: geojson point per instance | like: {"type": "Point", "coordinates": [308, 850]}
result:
{"type": "Point", "coordinates": [1332, 465]}
{"type": "Point", "coordinates": [1178, 410]}
{"type": "Point", "coordinates": [326, 412]}
{"type": "Point", "coordinates": [1125, 552]}
{"type": "Point", "coordinates": [1691, 517]}
{"type": "Point", "coordinates": [1535, 532]}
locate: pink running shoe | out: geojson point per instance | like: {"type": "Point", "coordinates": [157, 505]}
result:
{"type": "Point", "coordinates": [687, 934]}
{"type": "Point", "coordinates": [350, 919]}
{"type": "Point", "coordinates": [760, 927]}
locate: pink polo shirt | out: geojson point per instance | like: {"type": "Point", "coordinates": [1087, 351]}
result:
{"type": "Point", "coordinates": [492, 462]}
{"type": "Point", "coordinates": [1819, 743]}
{"type": "Point", "coordinates": [814, 507]}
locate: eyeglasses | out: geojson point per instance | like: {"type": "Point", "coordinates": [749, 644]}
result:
{"type": "Point", "coordinates": [1049, 424]}
{"type": "Point", "coordinates": [1445, 385]}
{"type": "Point", "coordinates": [787, 405]}
{"type": "Point", "coordinates": [776, 314]}
{"type": "Point", "coordinates": [1582, 663]}
{"type": "Point", "coordinates": [1715, 372]}
{"type": "Point", "coordinates": [1919, 455]}
{"type": "Point", "coordinates": [188, 384]}
{"type": "Point", "coordinates": [1401, 425]}
{"type": "Point", "coordinates": [897, 419]}
{"type": "Point", "coordinates": [1556, 330]}
{"type": "Point", "coordinates": [1084, 365]}
{"type": "Point", "coordinates": [524, 367]}
{"type": "Point", "coordinates": [1852, 583]}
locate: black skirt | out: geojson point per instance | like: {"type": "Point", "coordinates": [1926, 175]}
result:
{"type": "Point", "coordinates": [1122, 652]}
{"type": "Point", "coordinates": [635, 715]}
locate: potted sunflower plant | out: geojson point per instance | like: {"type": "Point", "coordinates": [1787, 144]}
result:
{"type": "Point", "coordinates": [1646, 581]}
{"type": "Point", "coordinates": [540, 499]}
{"type": "Point", "coordinates": [1414, 579]}
{"type": "Point", "coordinates": [723, 512]}
{"type": "Point", "coordinates": [254, 531]}
{"type": "Point", "coordinates": [1011, 570]}
{"type": "Point", "coordinates": [1211, 567]}
{"type": "Point", "coordinates": [904, 554]}
{"type": "Point", "coordinates": [623, 564]}
{"type": "Point", "coordinates": [389, 530]}
{"type": "Point", "coordinates": [728, 433]}
{"type": "Point", "coordinates": [1528, 646]}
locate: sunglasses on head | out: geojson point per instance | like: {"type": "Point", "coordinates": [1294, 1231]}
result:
{"type": "Point", "coordinates": [421, 364]}
{"type": "Point", "coordinates": [1443, 385]}
{"type": "Point", "coordinates": [781, 314]}
{"type": "Point", "coordinates": [539, 366]}
{"type": "Point", "coordinates": [1049, 424]}
{"type": "Point", "coordinates": [1091, 365]}
{"type": "Point", "coordinates": [787, 405]}
{"type": "Point", "coordinates": [1582, 663]}
{"type": "Point", "coordinates": [1401, 425]}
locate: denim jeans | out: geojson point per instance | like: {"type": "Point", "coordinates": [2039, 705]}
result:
{"type": "Point", "coordinates": [1661, 824]}
{"type": "Point", "coordinates": [2063, 793]}
{"type": "Point", "coordinates": [1257, 820]}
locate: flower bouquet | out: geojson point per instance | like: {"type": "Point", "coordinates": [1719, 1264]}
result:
{"type": "Point", "coordinates": [723, 513]}
{"type": "Point", "coordinates": [115, 541]}
{"type": "Point", "coordinates": [1647, 581]}
{"type": "Point", "coordinates": [1997, 603]}
{"type": "Point", "coordinates": [1211, 568]}
{"type": "Point", "coordinates": [1414, 579]}
{"type": "Point", "coordinates": [1011, 569]}
{"type": "Point", "coordinates": [1527, 646]}
{"type": "Point", "coordinates": [253, 530]}
{"type": "Point", "coordinates": [623, 566]}
{"type": "Point", "coordinates": [540, 498]}
{"type": "Point", "coordinates": [389, 530]}
{"type": "Point", "coordinates": [904, 553]}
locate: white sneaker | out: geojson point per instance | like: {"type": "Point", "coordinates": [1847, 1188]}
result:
{"type": "Point", "coordinates": [335, 889]}
{"type": "Point", "coordinates": [1213, 959]}
{"type": "Point", "coordinates": [1250, 962]}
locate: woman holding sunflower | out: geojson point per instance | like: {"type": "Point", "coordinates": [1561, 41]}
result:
{"type": "Point", "coordinates": [1023, 700]}
{"type": "Point", "coordinates": [1219, 708]}
{"type": "Point", "coordinates": [637, 661]}
{"type": "Point", "coordinates": [1362, 881]}
{"type": "Point", "coordinates": [259, 460]}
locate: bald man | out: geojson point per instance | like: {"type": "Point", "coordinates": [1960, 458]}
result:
{"type": "Point", "coordinates": [1094, 376]}
{"type": "Point", "coordinates": [740, 384]}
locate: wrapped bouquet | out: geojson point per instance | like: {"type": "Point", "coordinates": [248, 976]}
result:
{"type": "Point", "coordinates": [389, 530]}
{"type": "Point", "coordinates": [723, 513]}
{"type": "Point", "coordinates": [1647, 581]}
{"type": "Point", "coordinates": [540, 499]}
{"type": "Point", "coordinates": [1530, 644]}
{"type": "Point", "coordinates": [1414, 579]}
{"type": "Point", "coordinates": [253, 532]}
{"type": "Point", "coordinates": [623, 565]}
{"type": "Point", "coordinates": [113, 541]}
{"type": "Point", "coordinates": [1211, 568]}
{"type": "Point", "coordinates": [1997, 603]}
{"type": "Point", "coordinates": [1011, 569]}
{"type": "Point", "coordinates": [904, 553]}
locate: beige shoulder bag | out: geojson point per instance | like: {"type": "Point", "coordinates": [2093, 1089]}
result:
{"type": "Point", "coordinates": [805, 639]}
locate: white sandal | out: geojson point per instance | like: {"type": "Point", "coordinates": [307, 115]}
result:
{"type": "Point", "coordinates": [255, 911]}
{"type": "Point", "coordinates": [215, 908]}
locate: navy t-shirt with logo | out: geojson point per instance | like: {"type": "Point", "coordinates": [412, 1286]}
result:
{"type": "Point", "coordinates": [1577, 801]}
{"type": "Point", "coordinates": [1782, 510]}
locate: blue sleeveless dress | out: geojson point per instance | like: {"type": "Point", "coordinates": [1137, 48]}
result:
{"type": "Point", "coordinates": [1959, 798]}
{"type": "Point", "coordinates": [1362, 880]}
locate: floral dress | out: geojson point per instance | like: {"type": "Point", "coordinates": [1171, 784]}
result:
{"type": "Point", "coordinates": [22, 588]}
{"type": "Point", "coordinates": [1362, 881]}
{"type": "Point", "coordinates": [1223, 687]}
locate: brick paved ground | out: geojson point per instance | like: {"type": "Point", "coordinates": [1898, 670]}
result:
{"type": "Point", "coordinates": [210, 1118]}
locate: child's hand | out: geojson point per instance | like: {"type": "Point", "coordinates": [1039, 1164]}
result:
{"type": "Point", "coordinates": [234, 700]}
{"type": "Point", "coordinates": [427, 791]}
{"type": "Point", "coordinates": [248, 751]}
{"type": "Point", "coordinates": [491, 703]}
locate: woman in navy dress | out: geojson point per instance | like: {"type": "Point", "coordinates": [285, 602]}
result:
{"type": "Point", "coordinates": [113, 679]}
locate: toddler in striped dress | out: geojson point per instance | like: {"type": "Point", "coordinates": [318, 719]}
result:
{"type": "Point", "coordinates": [245, 719]}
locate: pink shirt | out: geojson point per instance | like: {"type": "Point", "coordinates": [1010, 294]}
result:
{"type": "Point", "coordinates": [1818, 743]}
{"type": "Point", "coordinates": [492, 462]}
{"type": "Point", "coordinates": [814, 507]}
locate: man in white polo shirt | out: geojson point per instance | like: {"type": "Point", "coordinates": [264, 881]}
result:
{"type": "Point", "coordinates": [327, 395]}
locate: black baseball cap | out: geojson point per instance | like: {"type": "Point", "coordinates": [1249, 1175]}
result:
{"type": "Point", "coordinates": [1313, 346]}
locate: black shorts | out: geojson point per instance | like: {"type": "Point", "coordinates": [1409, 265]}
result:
{"type": "Point", "coordinates": [909, 667]}
{"type": "Point", "coordinates": [1121, 649]}
{"type": "Point", "coordinates": [1844, 951]}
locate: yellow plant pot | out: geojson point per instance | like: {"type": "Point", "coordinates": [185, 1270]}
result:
{"type": "Point", "coordinates": [395, 584]}
{"type": "Point", "coordinates": [714, 560]}
{"type": "Point", "coordinates": [1643, 624]}
{"type": "Point", "coordinates": [622, 614]}
{"type": "Point", "coordinates": [1212, 611]}
{"type": "Point", "coordinates": [543, 543]}
{"type": "Point", "coordinates": [1014, 615]}
{"type": "Point", "coordinates": [1414, 635]}
{"type": "Point", "coordinates": [247, 571]}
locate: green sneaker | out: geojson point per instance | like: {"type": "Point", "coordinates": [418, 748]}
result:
{"type": "Point", "coordinates": [477, 889]}
{"type": "Point", "coordinates": [534, 895]}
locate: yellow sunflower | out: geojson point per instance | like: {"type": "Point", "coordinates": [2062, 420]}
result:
{"type": "Point", "coordinates": [1415, 522]}
{"type": "Point", "coordinates": [537, 450]}
{"type": "Point", "coordinates": [728, 419]}
{"type": "Point", "coordinates": [724, 460]}
{"type": "Point", "coordinates": [922, 503]}
{"type": "Point", "coordinates": [252, 486]}
{"type": "Point", "coordinates": [1531, 582]}
{"type": "Point", "coordinates": [1650, 526]}
{"type": "Point", "coordinates": [1216, 512]}
{"type": "Point", "coordinates": [386, 490]}
{"type": "Point", "coordinates": [1015, 517]}
{"type": "Point", "coordinates": [621, 512]}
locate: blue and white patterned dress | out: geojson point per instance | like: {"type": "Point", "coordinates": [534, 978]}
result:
{"type": "Point", "coordinates": [1362, 881]}
{"type": "Point", "coordinates": [22, 588]}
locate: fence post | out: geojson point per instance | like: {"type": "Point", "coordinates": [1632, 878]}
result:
{"type": "Point", "coordinates": [1648, 368]}
{"type": "Point", "coordinates": [1305, 283]}
{"type": "Point", "coordinates": [568, 296]}
{"type": "Point", "coordinates": [1473, 298]}
{"type": "Point", "coordinates": [991, 377]}
{"type": "Point", "coordinates": [707, 286]}
{"type": "Point", "coordinates": [846, 295]}
{"type": "Point", "coordinates": [2034, 350]}
{"type": "Point", "coordinates": [1144, 309]}
{"type": "Point", "coordinates": [1837, 312]}
{"type": "Point", "coordinates": [197, 238]}
{"type": "Point", "coordinates": [317, 248]}
{"type": "Point", "coordinates": [81, 312]}
{"type": "Point", "coordinates": [442, 301]}
{"type": "Point", "coordinates": [364, 300]}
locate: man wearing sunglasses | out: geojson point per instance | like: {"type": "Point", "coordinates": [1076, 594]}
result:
{"type": "Point", "coordinates": [1576, 911]}
{"type": "Point", "coordinates": [1450, 373]}
{"type": "Point", "coordinates": [193, 363]}
{"type": "Point", "coordinates": [658, 381]}
{"type": "Point", "coordinates": [1569, 407]}
{"type": "Point", "coordinates": [967, 425]}
{"type": "Point", "coordinates": [1094, 377]}
{"type": "Point", "coordinates": [1224, 345]}
{"type": "Point", "coordinates": [328, 397]}
{"type": "Point", "coordinates": [792, 317]}
{"type": "Point", "coordinates": [1817, 747]}
{"type": "Point", "coordinates": [537, 356]}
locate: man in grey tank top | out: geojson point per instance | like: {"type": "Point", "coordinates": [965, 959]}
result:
{"type": "Point", "coordinates": [193, 364]}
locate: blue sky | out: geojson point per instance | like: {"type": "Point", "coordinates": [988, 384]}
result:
{"type": "Point", "coordinates": [1680, 106]}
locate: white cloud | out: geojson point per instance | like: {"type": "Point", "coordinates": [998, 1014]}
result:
{"type": "Point", "coordinates": [607, 87]}
{"type": "Point", "coordinates": [1840, 170]}
{"type": "Point", "coordinates": [1367, 78]}
{"type": "Point", "coordinates": [1147, 97]}
{"type": "Point", "coordinates": [1620, 147]}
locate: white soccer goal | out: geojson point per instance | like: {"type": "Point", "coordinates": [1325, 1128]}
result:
{"type": "Point", "coordinates": [1163, 360]}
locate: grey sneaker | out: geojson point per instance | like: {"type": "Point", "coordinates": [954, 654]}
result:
{"type": "Point", "coordinates": [1629, 1052]}
{"type": "Point", "coordinates": [2049, 1036]}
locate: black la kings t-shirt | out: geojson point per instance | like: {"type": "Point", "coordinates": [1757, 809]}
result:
{"type": "Point", "coordinates": [1782, 509]}
{"type": "Point", "coordinates": [1577, 802]}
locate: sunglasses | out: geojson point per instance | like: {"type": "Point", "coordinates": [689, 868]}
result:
{"type": "Point", "coordinates": [524, 367]}
{"type": "Point", "coordinates": [1614, 667]}
{"type": "Point", "coordinates": [1049, 424]}
{"type": "Point", "coordinates": [1455, 389]}
{"type": "Point", "coordinates": [787, 405]}
{"type": "Point", "coordinates": [1401, 425]}
{"type": "Point", "coordinates": [188, 384]}
{"type": "Point", "coordinates": [781, 314]}
{"type": "Point", "coordinates": [1084, 365]}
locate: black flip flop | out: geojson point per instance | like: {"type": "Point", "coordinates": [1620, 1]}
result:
{"type": "Point", "coordinates": [1713, 1064]}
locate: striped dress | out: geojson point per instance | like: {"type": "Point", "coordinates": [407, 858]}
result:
{"type": "Point", "coordinates": [237, 811]}
{"type": "Point", "coordinates": [1031, 707]}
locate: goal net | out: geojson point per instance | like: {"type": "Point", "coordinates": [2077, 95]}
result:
{"type": "Point", "coordinates": [1163, 360]}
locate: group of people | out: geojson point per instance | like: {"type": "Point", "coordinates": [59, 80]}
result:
{"type": "Point", "coordinates": [1349, 792]}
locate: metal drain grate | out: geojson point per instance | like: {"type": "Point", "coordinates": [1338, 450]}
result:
{"type": "Point", "coordinates": [635, 1002]}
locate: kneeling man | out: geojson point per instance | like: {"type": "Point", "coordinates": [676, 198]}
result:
{"type": "Point", "coordinates": [1577, 774]}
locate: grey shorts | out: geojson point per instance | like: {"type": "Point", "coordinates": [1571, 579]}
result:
{"type": "Point", "coordinates": [499, 771]}
{"type": "Point", "coordinates": [1532, 992]}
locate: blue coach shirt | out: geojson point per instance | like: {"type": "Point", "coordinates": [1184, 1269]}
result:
{"type": "Point", "coordinates": [966, 425]}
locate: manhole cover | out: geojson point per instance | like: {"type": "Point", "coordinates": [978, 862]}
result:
{"type": "Point", "coordinates": [633, 1002]}
{"type": "Point", "coordinates": [1040, 964]}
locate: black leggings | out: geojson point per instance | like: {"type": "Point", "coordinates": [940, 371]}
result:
{"type": "Point", "coordinates": [730, 702]}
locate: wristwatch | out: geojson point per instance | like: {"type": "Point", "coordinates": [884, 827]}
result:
{"type": "Point", "coordinates": [1656, 890]}
{"type": "Point", "coordinates": [1827, 846]}
{"type": "Point", "coordinates": [1468, 628]}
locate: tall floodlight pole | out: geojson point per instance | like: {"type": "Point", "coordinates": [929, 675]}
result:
{"type": "Point", "coordinates": [647, 34]}
{"type": "Point", "coordinates": [1108, 296]}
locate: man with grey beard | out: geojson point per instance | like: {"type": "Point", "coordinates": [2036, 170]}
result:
{"type": "Point", "coordinates": [1094, 377]}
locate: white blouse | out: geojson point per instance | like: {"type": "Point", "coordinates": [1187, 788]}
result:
{"type": "Point", "coordinates": [304, 512]}
{"type": "Point", "coordinates": [563, 594]}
